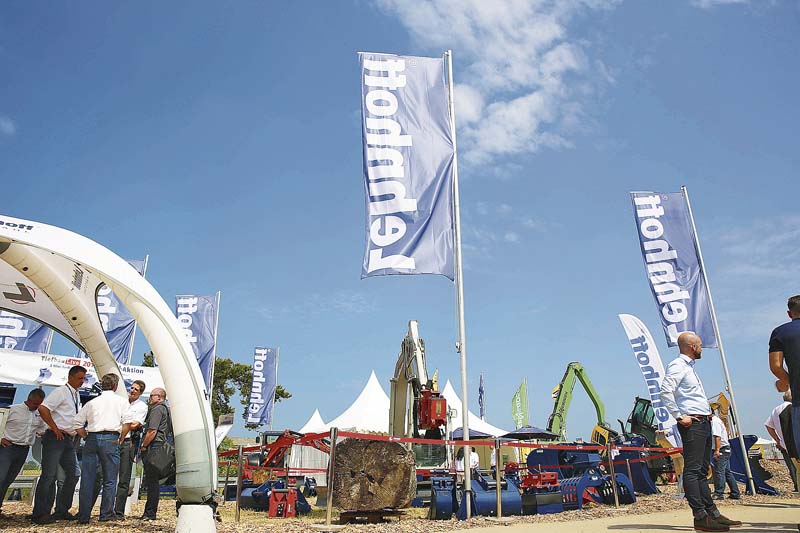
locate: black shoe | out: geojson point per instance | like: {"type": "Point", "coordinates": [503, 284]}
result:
{"type": "Point", "coordinates": [83, 522]}
{"type": "Point", "coordinates": [146, 518]}
{"type": "Point", "coordinates": [717, 496]}
{"type": "Point", "coordinates": [65, 516]}
{"type": "Point", "coordinates": [734, 496]}
{"type": "Point", "coordinates": [707, 523]}
{"type": "Point", "coordinates": [119, 516]}
{"type": "Point", "coordinates": [43, 520]}
{"type": "Point", "coordinates": [115, 518]}
{"type": "Point", "coordinates": [725, 521]}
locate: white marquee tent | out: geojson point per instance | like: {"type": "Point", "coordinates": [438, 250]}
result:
{"type": "Point", "coordinates": [308, 457]}
{"type": "Point", "coordinates": [368, 413]}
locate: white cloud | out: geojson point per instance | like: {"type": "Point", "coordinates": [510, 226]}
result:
{"type": "Point", "coordinates": [510, 236]}
{"type": "Point", "coordinates": [339, 301]}
{"type": "Point", "coordinates": [709, 4]}
{"type": "Point", "coordinates": [7, 126]}
{"type": "Point", "coordinates": [523, 82]}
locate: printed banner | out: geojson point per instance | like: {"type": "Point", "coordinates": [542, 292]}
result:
{"type": "Point", "coordinates": [22, 333]}
{"type": "Point", "coordinates": [262, 390]}
{"type": "Point", "coordinates": [408, 165]}
{"type": "Point", "coordinates": [197, 316]}
{"type": "Point", "coordinates": [24, 368]}
{"type": "Point", "coordinates": [117, 321]}
{"type": "Point", "coordinates": [672, 265]}
{"type": "Point", "coordinates": [519, 406]}
{"type": "Point", "coordinates": [481, 398]}
{"type": "Point", "coordinates": [649, 361]}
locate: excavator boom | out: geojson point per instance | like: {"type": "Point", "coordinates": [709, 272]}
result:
{"type": "Point", "coordinates": [562, 394]}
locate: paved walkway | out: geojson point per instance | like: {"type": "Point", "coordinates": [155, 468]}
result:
{"type": "Point", "coordinates": [757, 517]}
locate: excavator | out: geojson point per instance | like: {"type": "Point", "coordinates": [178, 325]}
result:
{"type": "Point", "coordinates": [562, 394]}
{"type": "Point", "coordinates": [417, 408]}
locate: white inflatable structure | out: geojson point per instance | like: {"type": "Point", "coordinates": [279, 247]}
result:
{"type": "Point", "coordinates": [52, 275]}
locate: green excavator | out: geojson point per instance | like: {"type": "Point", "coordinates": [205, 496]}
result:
{"type": "Point", "coordinates": [562, 394]}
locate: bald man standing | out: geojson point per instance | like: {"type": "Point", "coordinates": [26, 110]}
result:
{"type": "Point", "coordinates": [683, 395]}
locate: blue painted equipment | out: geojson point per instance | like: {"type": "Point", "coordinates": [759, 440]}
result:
{"type": "Point", "coordinates": [541, 493]}
{"type": "Point", "coordinates": [588, 481]}
{"type": "Point", "coordinates": [484, 497]}
{"type": "Point", "coordinates": [640, 470]}
{"type": "Point", "coordinates": [443, 498]}
{"type": "Point", "coordinates": [263, 495]}
{"type": "Point", "coordinates": [737, 467]}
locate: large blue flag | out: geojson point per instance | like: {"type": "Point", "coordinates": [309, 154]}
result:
{"type": "Point", "coordinates": [408, 165]}
{"type": "Point", "coordinates": [262, 390]}
{"type": "Point", "coordinates": [18, 332]}
{"type": "Point", "coordinates": [117, 321]}
{"type": "Point", "coordinates": [197, 316]}
{"type": "Point", "coordinates": [672, 265]}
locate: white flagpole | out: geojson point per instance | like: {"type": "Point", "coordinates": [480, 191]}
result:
{"type": "Point", "coordinates": [461, 344]}
{"type": "Point", "coordinates": [49, 341]}
{"type": "Point", "coordinates": [277, 356]}
{"type": "Point", "coordinates": [728, 384]}
{"type": "Point", "coordinates": [133, 337]}
{"type": "Point", "coordinates": [214, 351]}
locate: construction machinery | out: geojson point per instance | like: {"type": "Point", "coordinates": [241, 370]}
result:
{"type": "Point", "coordinates": [562, 396]}
{"type": "Point", "coordinates": [417, 408]}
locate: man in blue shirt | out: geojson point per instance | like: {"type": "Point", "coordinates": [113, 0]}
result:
{"type": "Point", "coordinates": [683, 395]}
{"type": "Point", "coordinates": [784, 347]}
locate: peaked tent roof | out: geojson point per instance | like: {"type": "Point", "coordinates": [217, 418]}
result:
{"type": "Point", "coordinates": [315, 424]}
{"type": "Point", "coordinates": [369, 412]}
{"type": "Point", "coordinates": [475, 422]}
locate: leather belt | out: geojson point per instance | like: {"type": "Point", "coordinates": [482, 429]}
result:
{"type": "Point", "coordinates": [701, 417]}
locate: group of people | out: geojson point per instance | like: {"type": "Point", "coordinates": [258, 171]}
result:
{"type": "Point", "coordinates": [704, 435]}
{"type": "Point", "coordinates": [115, 434]}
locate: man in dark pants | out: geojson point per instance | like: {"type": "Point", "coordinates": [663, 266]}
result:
{"type": "Point", "coordinates": [784, 440]}
{"type": "Point", "coordinates": [21, 426]}
{"type": "Point", "coordinates": [58, 448]}
{"type": "Point", "coordinates": [137, 413]}
{"type": "Point", "coordinates": [784, 347]}
{"type": "Point", "coordinates": [158, 427]}
{"type": "Point", "coordinates": [683, 395]}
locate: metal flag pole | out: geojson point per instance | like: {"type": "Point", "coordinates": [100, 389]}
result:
{"type": "Point", "coordinates": [133, 335]}
{"type": "Point", "coordinates": [728, 384]}
{"type": "Point", "coordinates": [272, 414]}
{"type": "Point", "coordinates": [214, 351]}
{"type": "Point", "coordinates": [461, 344]}
{"type": "Point", "coordinates": [49, 344]}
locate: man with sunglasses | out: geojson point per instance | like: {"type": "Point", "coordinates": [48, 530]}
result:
{"type": "Point", "coordinates": [158, 429]}
{"type": "Point", "coordinates": [137, 412]}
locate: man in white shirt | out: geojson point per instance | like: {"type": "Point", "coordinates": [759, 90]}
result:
{"type": "Point", "coordinates": [103, 424]}
{"type": "Point", "coordinates": [137, 412]}
{"type": "Point", "coordinates": [774, 427]}
{"type": "Point", "coordinates": [22, 424]}
{"type": "Point", "coordinates": [58, 448]}
{"type": "Point", "coordinates": [721, 463]}
{"type": "Point", "coordinates": [683, 396]}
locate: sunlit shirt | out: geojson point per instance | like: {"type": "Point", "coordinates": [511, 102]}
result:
{"type": "Point", "coordinates": [22, 425]}
{"type": "Point", "coordinates": [107, 412]}
{"type": "Point", "coordinates": [718, 430]}
{"type": "Point", "coordinates": [681, 390]}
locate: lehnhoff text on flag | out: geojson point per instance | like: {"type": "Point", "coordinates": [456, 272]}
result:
{"type": "Point", "coordinates": [672, 265]}
{"type": "Point", "coordinates": [262, 389]}
{"type": "Point", "coordinates": [408, 186]}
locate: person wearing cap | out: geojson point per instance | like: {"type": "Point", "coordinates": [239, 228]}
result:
{"type": "Point", "coordinates": [22, 425]}
{"type": "Point", "coordinates": [683, 396]}
{"type": "Point", "coordinates": [102, 423]}
{"type": "Point", "coordinates": [137, 412]}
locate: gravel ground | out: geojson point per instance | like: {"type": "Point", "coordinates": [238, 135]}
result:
{"type": "Point", "coordinates": [13, 517]}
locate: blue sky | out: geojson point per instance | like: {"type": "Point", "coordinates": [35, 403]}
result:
{"type": "Point", "coordinates": [224, 140]}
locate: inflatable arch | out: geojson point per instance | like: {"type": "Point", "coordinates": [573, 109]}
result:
{"type": "Point", "coordinates": [52, 275]}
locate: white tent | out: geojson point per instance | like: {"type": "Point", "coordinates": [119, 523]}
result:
{"type": "Point", "coordinates": [475, 423]}
{"type": "Point", "coordinates": [308, 457]}
{"type": "Point", "coordinates": [368, 413]}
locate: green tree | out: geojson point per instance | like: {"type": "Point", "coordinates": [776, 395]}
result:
{"type": "Point", "coordinates": [230, 377]}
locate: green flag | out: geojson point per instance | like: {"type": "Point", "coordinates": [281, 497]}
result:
{"type": "Point", "coordinates": [519, 405]}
